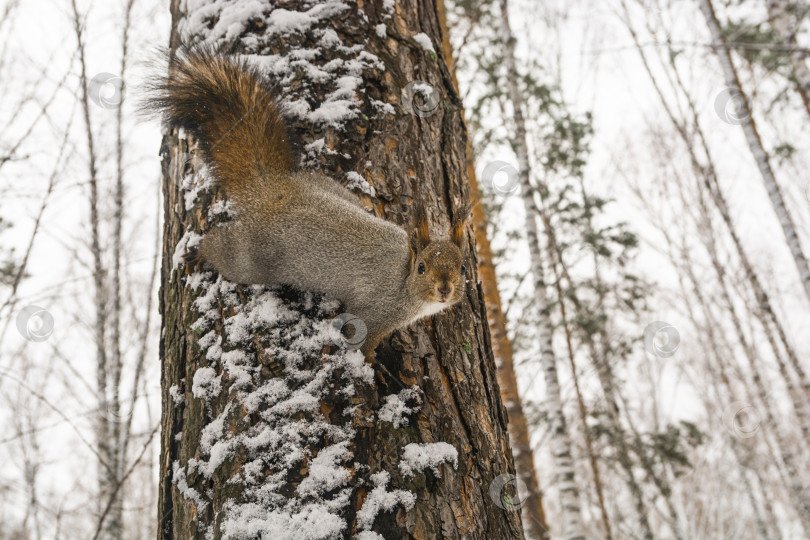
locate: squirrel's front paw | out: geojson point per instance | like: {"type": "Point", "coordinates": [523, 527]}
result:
{"type": "Point", "coordinates": [193, 258]}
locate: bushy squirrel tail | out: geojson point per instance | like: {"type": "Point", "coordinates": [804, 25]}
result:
{"type": "Point", "coordinates": [223, 103]}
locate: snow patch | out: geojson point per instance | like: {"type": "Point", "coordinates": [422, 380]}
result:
{"type": "Point", "coordinates": [326, 472]}
{"type": "Point", "coordinates": [202, 179]}
{"type": "Point", "coordinates": [356, 181]}
{"type": "Point", "coordinates": [417, 457]}
{"type": "Point", "coordinates": [313, 522]}
{"type": "Point", "coordinates": [395, 408]}
{"type": "Point", "coordinates": [424, 40]}
{"type": "Point", "coordinates": [206, 384]}
{"type": "Point", "coordinates": [222, 208]}
{"type": "Point", "coordinates": [368, 535]}
{"type": "Point", "coordinates": [260, 312]}
{"type": "Point", "coordinates": [383, 107]}
{"type": "Point", "coordinates": [179, 480]}
{"type": "Point", "coordinates": [381, 500]}
{"type": "Point", "coordinates": [178, 397]}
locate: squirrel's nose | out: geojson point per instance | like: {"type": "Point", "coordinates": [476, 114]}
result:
{"type": "Point", "coordinates": [445, 290]}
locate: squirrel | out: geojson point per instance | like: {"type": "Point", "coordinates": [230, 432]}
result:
{"type": "Point", "coordinates": [299, 227]}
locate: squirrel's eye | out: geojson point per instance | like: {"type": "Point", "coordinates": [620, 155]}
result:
{"type": "Point", "coordinates": [421, 268]}
{"type": "Point", "coordinates": [463, 269]}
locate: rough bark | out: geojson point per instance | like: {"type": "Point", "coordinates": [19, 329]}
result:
{"type": "Point", "coordinates": [754, 141]}
{"type": "Point", "coordinates": [443, 365]}
{"type": "Point", "coordinates": [560, 439]}
{"type": "Point", "coordinates": [531, 504]}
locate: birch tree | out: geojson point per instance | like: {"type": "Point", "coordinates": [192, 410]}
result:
{"type": "Point", "coordinates": [752, 137]}
{"type": "Point", "coordinates": [271, 426]}
{"type": "Point", "coordinates": [781, 14]}
{"type": "Point", "coordinates": [573, 527]}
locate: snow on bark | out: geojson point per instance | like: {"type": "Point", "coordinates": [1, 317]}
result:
{"type": "Point", "coordinates": [284, 419]}
{"type": "Point", "coordinates": [417, 457]}
{"type": "Point", "coordinates": [424, 40]}
{"type": "Point", "coordinates": [380, 499]}
{"type": "Point", "coordinates": [264, 426]}
{"type": "Point", "coordinates": [206, 385]}
{"type": "Point", "coordinates": [396, 407]}
{"type": "Point", "coordinates": [356, 181]}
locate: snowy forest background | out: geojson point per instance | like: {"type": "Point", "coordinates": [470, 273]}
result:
{"type": "Point", "coordinates": [673, 216]}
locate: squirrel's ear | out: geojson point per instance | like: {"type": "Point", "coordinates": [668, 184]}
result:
{"type": "Point", "coordinates": [422, 233]}
{"type": "Point", "coordinates": [414, 247]}
{"type": "Point", "coordinates": [458, 224]}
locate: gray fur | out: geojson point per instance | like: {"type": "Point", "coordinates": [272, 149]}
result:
{"type": "Point", "coordinates": [304, 230]}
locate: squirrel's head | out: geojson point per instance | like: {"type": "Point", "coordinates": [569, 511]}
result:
{"type": "Point", "coordinates": [438, 269]}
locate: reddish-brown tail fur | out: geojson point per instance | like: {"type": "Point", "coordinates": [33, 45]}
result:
{"type": "Point", "coordinates": [232, 114]}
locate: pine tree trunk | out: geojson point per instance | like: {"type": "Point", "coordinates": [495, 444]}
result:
{"type": "Point", "coordinates": [271, 429]}
{"type": "Point", "coordinates": [560, 440]}
{"type": "Point", "coordinates": [749, 127]}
